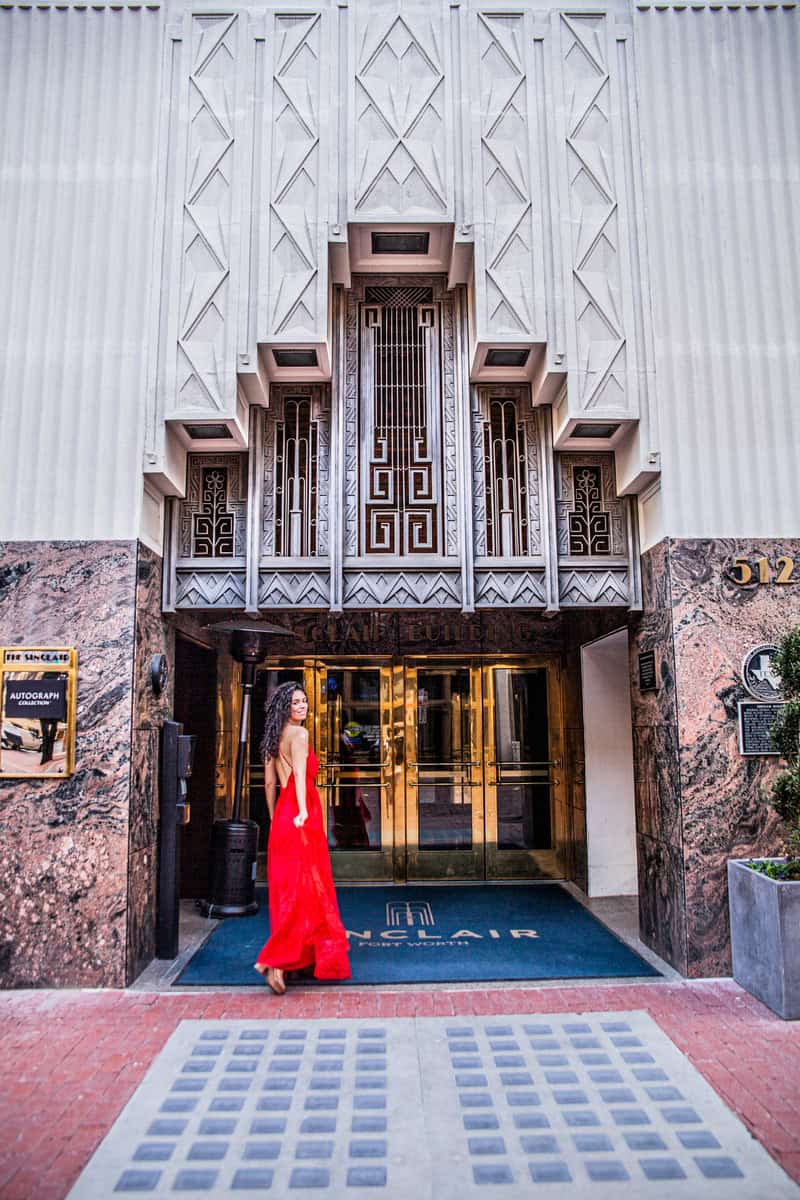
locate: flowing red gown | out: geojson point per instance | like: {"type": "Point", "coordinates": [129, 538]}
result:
{"type": "Point", "coordinates": [305, 926]}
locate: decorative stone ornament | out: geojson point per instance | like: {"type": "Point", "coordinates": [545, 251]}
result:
{"type": "Point", "coordinates": [758, 674]}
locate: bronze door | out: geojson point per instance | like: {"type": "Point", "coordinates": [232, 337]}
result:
{"type": "Point", "coordinates": [353, 719]}
{"type": "Point", "coordinates": [523, 757]}
{"type": "Point", "coordinates": [433, 768]}
{"type": "Point", "coordinates": [443, 775]}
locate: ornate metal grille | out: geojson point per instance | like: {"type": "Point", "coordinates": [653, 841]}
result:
{"type": "Point", "coordinates": [589, 523]}
{"type": "Point", "coordinates": [400, 422]}
{"type": "Point", "coordinates": [296, 482]}
{"type": "Point", "coordinates": [506, 480]}
{"type": "Point", "coordinates": [213, 524]}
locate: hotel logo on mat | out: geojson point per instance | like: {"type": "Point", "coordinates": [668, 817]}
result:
{"type": "Point", "coordinates": [413, 920]}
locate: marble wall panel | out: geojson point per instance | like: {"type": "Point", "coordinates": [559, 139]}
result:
{"type": "Point", "coordinates": [153, 635]}
{"type": "Point", "coordinates": [141, 911]}
{"type": "Point", "coordinates": [657, 768]}
{"type": "Point", "coordinates": [725, 796]}
{"type": "Point", "coordinates": [64, 844]}
{"type": "Point", "coordinates": [662, 905]}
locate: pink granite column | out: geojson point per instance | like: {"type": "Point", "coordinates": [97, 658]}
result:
{"type": "Point", "coordinates": [699, 801]}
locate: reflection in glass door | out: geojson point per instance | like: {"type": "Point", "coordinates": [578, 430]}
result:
{"type": "Point", "coordinates": [444, 794]}
{"type": "Point", "coordinates": [523, 754]}
{"type": "Point", "coordinates": [354, 714]}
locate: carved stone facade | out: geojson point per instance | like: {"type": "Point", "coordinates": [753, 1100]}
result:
{"type": "Point", "coordinates": [401, 143]}
{"type": "Point", "coordinates": [509, 258]}
{"type": "Point", "coordinates": [204, 382]}
{"type": "Point", "coordinates": [296, 292]}
{"type": "Point", "coordinates": [543, 530]}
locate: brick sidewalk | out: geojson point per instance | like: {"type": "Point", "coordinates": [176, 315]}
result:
{"type": "Point", "coordinates": [71, 1060]}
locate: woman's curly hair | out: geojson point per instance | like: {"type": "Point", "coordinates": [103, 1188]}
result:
{"type": "Point", "coordinates": [277, 713]}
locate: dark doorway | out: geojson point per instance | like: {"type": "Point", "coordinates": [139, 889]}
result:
{"type": "Point", "coordinates": [196, 709]}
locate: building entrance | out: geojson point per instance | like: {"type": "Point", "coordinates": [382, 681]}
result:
{"type": "Point", "coordinates": [432, 768]}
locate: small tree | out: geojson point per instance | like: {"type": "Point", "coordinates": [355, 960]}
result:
{"type": "Point", "coordinates": [786, 738]}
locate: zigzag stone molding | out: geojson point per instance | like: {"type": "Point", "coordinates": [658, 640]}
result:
{"type": "Point", "coordinates": [294, 589]}
{"type": "Point", "coordinates": [521, 589]}
{"type": "Point", "coordinates": [580, 587]}
{"type": "Point", "coordinates": [402, 589]}
{"type": "Point", "coordinates": [210, 589]}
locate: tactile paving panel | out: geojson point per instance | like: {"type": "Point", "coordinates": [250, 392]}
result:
{"type": "Point", "coordinates": [594, 1105]}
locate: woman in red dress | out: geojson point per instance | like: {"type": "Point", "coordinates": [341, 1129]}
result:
{"type": "Point", "coordinates": [305, 927]}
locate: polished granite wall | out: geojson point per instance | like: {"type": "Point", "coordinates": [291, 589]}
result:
{"type": "Point", "coordinates": [64, 845]}
{"type": "Point", "coordinates": [78, 856]}
{"type": "Point", "coordinates": [699, 801]}
{"type": "Point", "coordinates": [152, 636]}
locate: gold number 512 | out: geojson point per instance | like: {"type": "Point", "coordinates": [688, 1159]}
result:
{"type": "Point", "coordinates": [742, 571]}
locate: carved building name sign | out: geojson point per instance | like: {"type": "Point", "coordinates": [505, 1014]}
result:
{"type": "Point", "coordinates": [403, 633]}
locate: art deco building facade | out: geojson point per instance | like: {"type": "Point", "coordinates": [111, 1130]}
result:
{"type": "Point", "coordinates": [459, 341]}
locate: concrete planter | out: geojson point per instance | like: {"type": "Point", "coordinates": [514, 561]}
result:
{"type": "Point", "coordinates": [765, 937]}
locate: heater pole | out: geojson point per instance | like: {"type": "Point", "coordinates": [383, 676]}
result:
{"type": "Point", "coordinates": [248, 679]}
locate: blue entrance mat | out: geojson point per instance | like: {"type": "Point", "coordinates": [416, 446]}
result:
{"type": "Point", "coordinates": [440, 934]}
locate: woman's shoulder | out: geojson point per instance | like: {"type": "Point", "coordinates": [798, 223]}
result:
{"type": "Point", "coordinates": [296, 735]}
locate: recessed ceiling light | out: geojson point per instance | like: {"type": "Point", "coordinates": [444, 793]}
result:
{"type": "Point", "coordinates": [507, 358]}
{"type": "Point", "coordinates": [400, 243]}
{"type": "Point", "coordinates": [594, 431]}
{"type": "Point", "coordinates": [295, 358]}
{"type": "Point", "coordinates": [207, 433]}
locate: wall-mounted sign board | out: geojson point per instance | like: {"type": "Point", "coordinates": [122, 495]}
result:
{"type": "Point", "coordinates": [648, 673]}
{"type": "Point", "coordinates": [38, 700]}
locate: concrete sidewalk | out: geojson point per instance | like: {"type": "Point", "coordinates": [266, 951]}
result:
{"type": "Point", "coordinates": [72, 1060]}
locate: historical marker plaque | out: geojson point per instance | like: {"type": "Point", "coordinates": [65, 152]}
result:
{"type": "Point", "coordinates": [755, 727]}
{"type": "Point", "coordinates": [648, 675]}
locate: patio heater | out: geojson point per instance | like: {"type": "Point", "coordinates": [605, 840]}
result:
{"type": "Point", "coordinates": [234, 842]}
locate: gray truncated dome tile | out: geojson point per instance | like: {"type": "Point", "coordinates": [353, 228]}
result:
{"type": "Point", "coordinates": [433, 1109]}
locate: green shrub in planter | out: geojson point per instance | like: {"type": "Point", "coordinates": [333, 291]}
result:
{"type": "Point", "coordinates": [764, 895]}
{"type": "Point", "coordinates": [786, 737]}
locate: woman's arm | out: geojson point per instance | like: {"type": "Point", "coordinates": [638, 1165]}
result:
{"type": "Point", "coordinates": [299, 760]}
{"type": "Point", "coordinates": [270, 785]}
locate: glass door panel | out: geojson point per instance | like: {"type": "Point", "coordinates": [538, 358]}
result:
{"type": "Point", "coordinates": [523, 753]}
{"type": "Point", "coordinates": [444, 794]}
{"type": "Point", "coordinates": [356, 772]}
